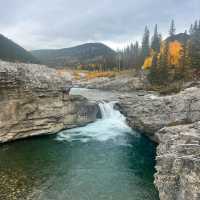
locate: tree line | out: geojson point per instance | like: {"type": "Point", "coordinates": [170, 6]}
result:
{"type": "Point", "coordinates": [175, 58]}
{"type": "Point", "coordinates": [163, 60]}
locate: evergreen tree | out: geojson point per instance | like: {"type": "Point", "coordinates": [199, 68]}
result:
{"type": "Point", "coordinates": [191, 29]}
{"type": "Point", "coordinates": [163, 67]}
{"type": "Point", "coordinates": [195, 26]}
{"type": "Point", "coordinates": [185, 63]}
{"type": "Point", "coordinates": [172, 29]}
{"type": "Point", "coordinates": [185, 32]}
{"type": "Point", "coordinates": [159, 71]}
{"type": "Point", "coordinates": [194, 46]}
{"type": "Point", "coordinates": [130, 57]}
{"type": "Point", "coordinates": [136, 50]}
{"type": "Point", "coordinates": [155, 44]}
{"type": "Point", "coordinates": [145, 44]}
{"type": "Point", "coordinates": [180, 70]}
{"type": "Point", "coordinates": [153, 75]}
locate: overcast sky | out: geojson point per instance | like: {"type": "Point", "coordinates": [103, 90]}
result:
{"type": "Point", "coordinates": [37, 24]}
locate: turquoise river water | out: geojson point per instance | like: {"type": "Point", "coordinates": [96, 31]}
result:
{"type": "Point", "coordinates": [104, 160]}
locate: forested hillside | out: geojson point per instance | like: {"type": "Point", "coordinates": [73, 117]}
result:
{"type": "Point", "coordinates": [164, 60]}
{"type": "Point", "coordinates": [177, 58]}
{"type": "Point", "coordinates": [90, 55]}
{"type": "Point", "coordinates": [10, 51]}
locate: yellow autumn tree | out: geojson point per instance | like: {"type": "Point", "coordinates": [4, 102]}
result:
{"type": "Point", "coordinates": [174, 54]}
{"type": "Point", "coordinates": [148, 61]}
{"type": "Point", "coordinates": [175, 49]}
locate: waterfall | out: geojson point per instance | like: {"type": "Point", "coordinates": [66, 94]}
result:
{"type": "Point", "coordinates": [110, 126]}
{"type": "Point", "coordinates": [107, 110]}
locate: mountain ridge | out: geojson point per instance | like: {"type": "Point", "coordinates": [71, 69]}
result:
{"type": "Point", "coordinates": [11, 51]}
{"type": "Point", "coordinates": [82, 54]}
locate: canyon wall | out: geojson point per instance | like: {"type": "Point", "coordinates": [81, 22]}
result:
{"type": "Point", "coordinates": [174, 123]}
{"type": "Point", "coordinates": [35, 100]}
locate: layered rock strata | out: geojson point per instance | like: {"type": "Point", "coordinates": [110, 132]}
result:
{"type": "Point", "coordinates": [178, 162]}
{"type": "Point", "coordinates": [34, 100]}
{"type": "Point", "coordinates": [174, 123]}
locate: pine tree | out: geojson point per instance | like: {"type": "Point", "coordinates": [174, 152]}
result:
{"type": "Point", "coordinates": [145, 44]}
{"type": "Point", "coordinates": [191, 29]}
{"type": "Point", "coordinates": [136, 55]}
{"type": "Point", "coordinates": [185, 32]}
{"type": "Point", "coordinates": [153, 75]}
{"type": "Point", "coordinates": [180, 70]}
{"type": "Point", "coordinates": [172, 29]}
{"type": "Point", "coordinates": [185, 62]}
{"type": "Point", "coordinates": [163, 66]}
{"type": "Point", "coordinates": [194, 46]}
{"type": "Point", "coordinates": [195, 25]}
{"type": "Point", "coordinates": [155, 44]}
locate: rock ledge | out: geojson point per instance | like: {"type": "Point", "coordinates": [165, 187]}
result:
{"type": "Point", "coordinates": [33, 102]}
{"type": "Point", "coordinates": [174, 123]}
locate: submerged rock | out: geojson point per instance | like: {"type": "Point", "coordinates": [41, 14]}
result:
{"type": "Point", "coordinates": [34, 101]}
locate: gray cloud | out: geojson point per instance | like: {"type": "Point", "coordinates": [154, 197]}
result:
{"type": "Point", "coordinates": [61, 23]}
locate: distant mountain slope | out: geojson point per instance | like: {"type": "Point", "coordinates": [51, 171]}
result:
{"type": "Point", "coordinates": [82, 54]}
{"type": "Point", "coordinates": [10, 51]}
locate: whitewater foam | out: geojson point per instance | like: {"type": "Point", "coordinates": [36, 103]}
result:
{"type": "Point", "coordinates": [111, 126]}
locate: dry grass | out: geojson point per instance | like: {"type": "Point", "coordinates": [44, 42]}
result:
{"type": "Point", "coordinates": [92, 75]}
{"type": "Point", "coordinates": [88, 75]}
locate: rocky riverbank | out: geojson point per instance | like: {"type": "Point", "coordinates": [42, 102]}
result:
{"type": "Point", "coordinates": [33, 102]}
{"type": "Point", "coordinates": [174, 123]}
{"type": "Point", "coordinates": [178, 162]}
{"type": "Point", "coordinates": [121, 83]}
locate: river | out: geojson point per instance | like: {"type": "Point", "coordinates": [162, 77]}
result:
{"type": "Point", "coordinates": [105, 160]}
